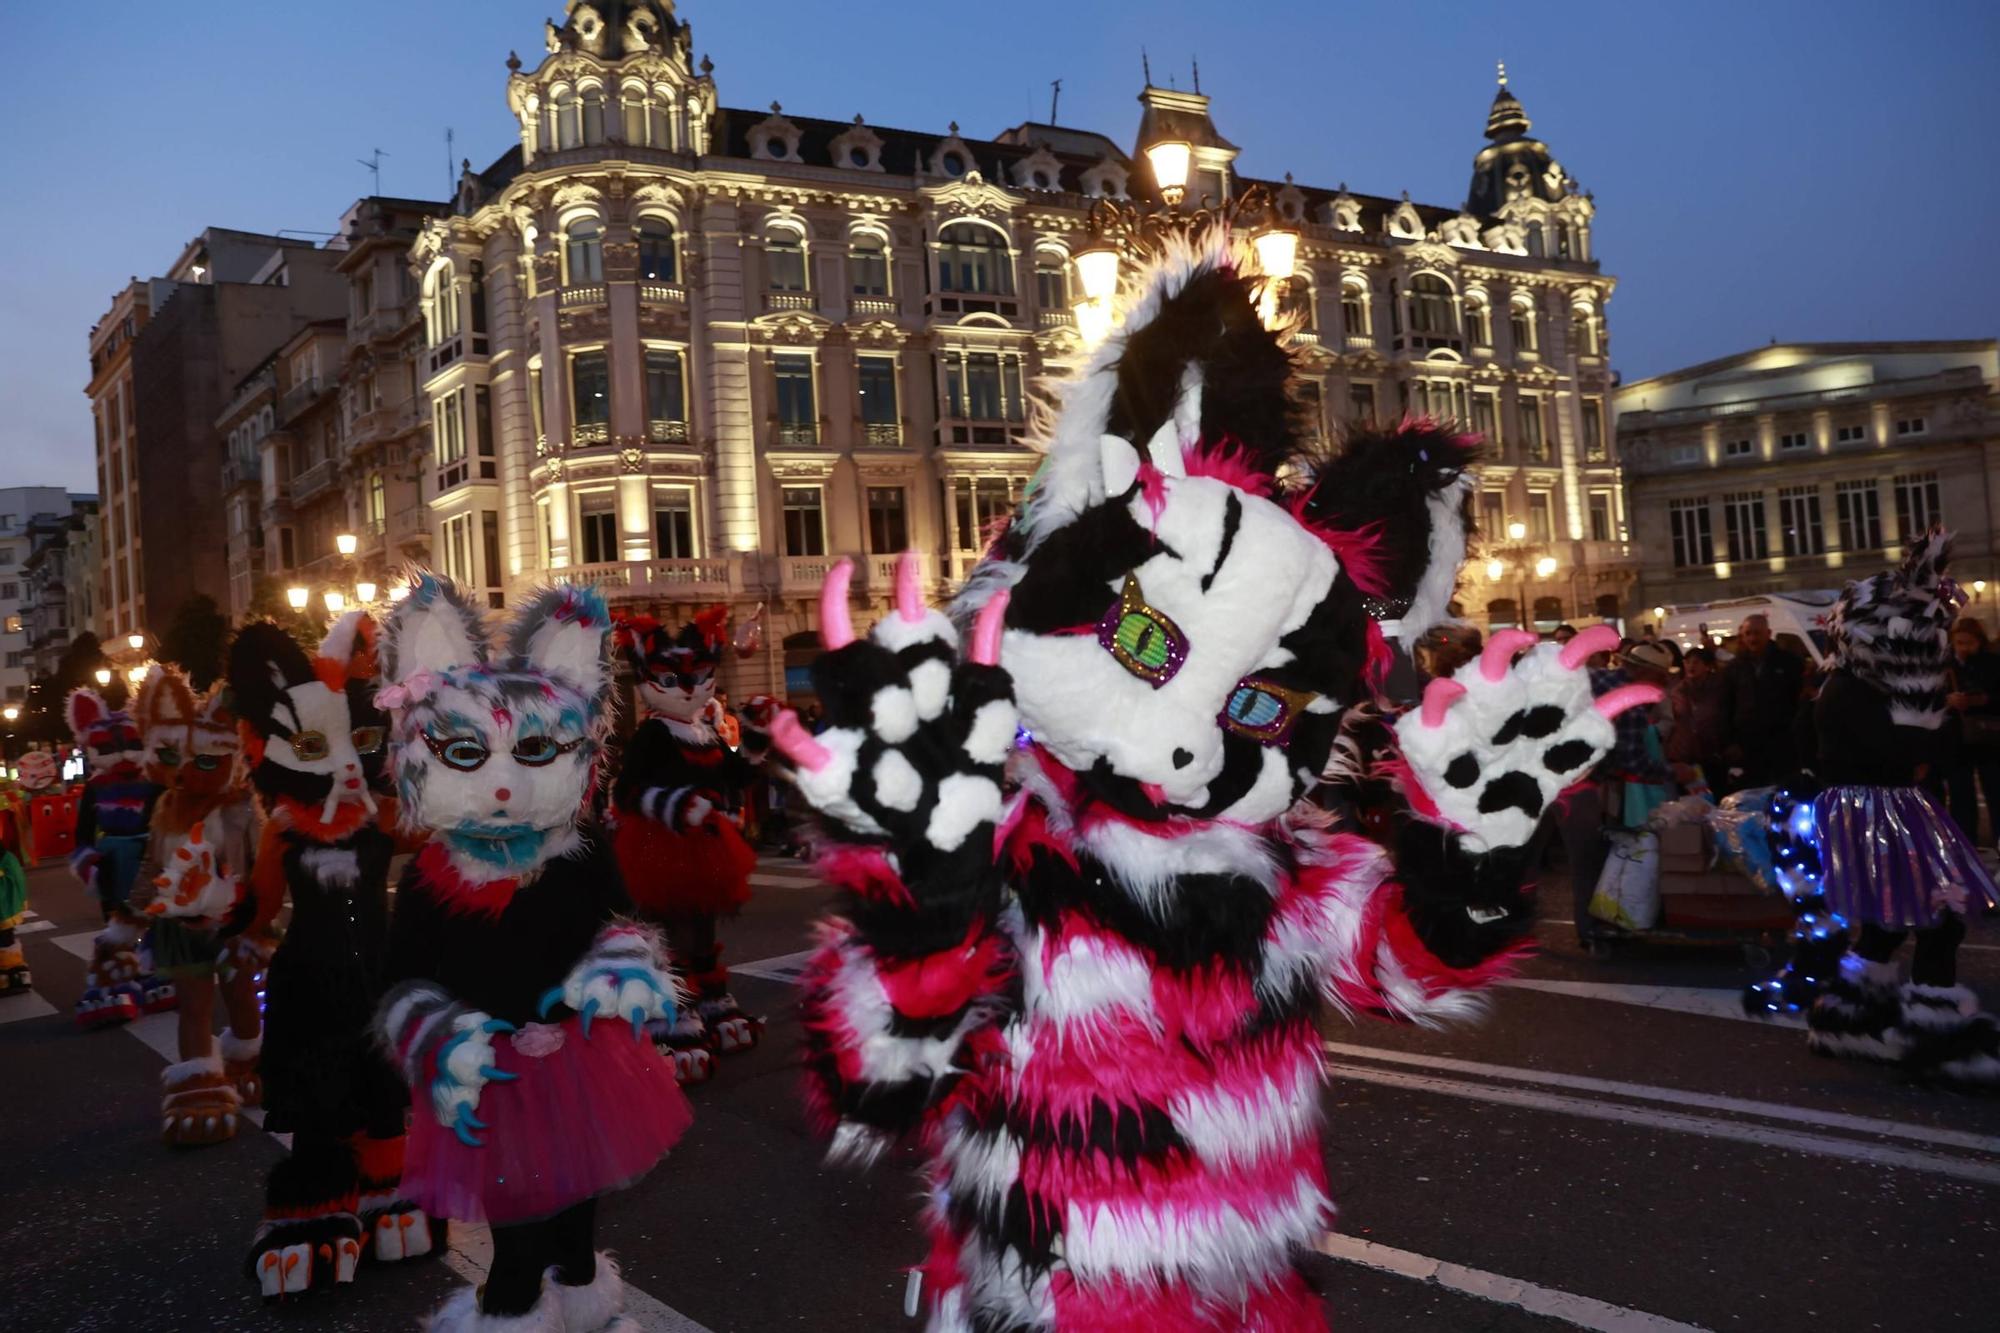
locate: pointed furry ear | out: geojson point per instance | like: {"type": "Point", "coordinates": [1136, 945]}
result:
{"type": "Point", "coordinates": [433, 629]}
{"type": "Point", "coordinates": [1163, 451]}
{"type": "Point", "coordinates": [84, 709]}
{"type": "Point", "coordinates": [165, 699]}
{"type": "Point", "coordinates": [264, 663]}
{"type": "Point", "coordinates": [565, 631]}
{"type": "Point", "coordinates": [1119, 458]}
{"type": "Point", "coordinates": [215, 711]}
{"type": "Point", "coordinates": [351, 641]}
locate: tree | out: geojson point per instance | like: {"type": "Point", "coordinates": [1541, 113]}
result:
{"type": "Point", "coordinates": [267, 602]}
{"type": "Point", "coordinates": [42, 718]}
{"type": "Point", "coordinates": [195, 639]}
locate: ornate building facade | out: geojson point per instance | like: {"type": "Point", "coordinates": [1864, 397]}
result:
{"type": "Point", "coordinates": [1799, 466]}
{"type": "Point", "coordinates": [696, 353]}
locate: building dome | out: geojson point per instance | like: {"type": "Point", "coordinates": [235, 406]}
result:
{"type": "Point", "coordinates": [614, 29]}
{"type": "Point", "coordinates": [1513, 165]}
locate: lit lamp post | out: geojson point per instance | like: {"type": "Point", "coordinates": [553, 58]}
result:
{"type": "Point", "coordinates": [12, 714]}
{"type": "Point", "coordinates": [298, 597]}
{"type": "Point", "coordinates": [103, 676]}
{"type": "Point", "coordinates": [1526, 557]}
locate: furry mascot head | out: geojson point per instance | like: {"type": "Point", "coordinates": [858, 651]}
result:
{"type": "Point", "coordinates": [112, 745]}
{"type": "Point", "coordinates": [675, 674]}
{"type": "Point", "coordinates": [191, 744]}
{"type": "Point", "coordinates": [1193, 601]}
{"type": "Point", "coordinates": [310, 728]}
{"type": "Point", "coordinates": [1894, 631]}
{"type": "Point", "coordinates": [495, 742]}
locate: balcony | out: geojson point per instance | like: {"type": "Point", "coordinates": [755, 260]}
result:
{"type": "Point", "coordinates": [791, 300]}
{"type": "Point", "coordinates": [794, 434]}
{"type": "Point", "coordinates": [238, 472]}
{"type": "Point", "coordinates": [671, 580]}
{"type": "Point", "coordinates": [589, 433]}
{"type": "Point", "coordinates": [300, 397]}
{"type": "Point", "coordinates": [590, 294]}
{"type": "Point", "coordinates": [979, 431]}
{"type": "Point", "coordinates": [879, 571]}
{"type": "Point", "coordinates": [805, 575]}
{"type": "Point", "coordinates": [662, 293]}
{"type": "Point", "coordinates": [314, 480]}
{"type": "Point", "coordinates": [872, 305]}
{"type": "Point", "coordinates": [409, 525]}
{"type": "Point", "coordinates": [1055, 319]}
{"type": "Point", "coordinates": [1306, 337]}
{"type": "Point", "coordinates": [1360, 342]}
{"type": "Point", "coordinates": [882, 434]}
{"type": "Point", "coordinates": [667, 432]}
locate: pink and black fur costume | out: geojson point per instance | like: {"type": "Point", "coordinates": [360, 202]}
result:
{"type": "Point", "coordinates": [1894, 862]}
{"type": "Point", "coordinates": [521, 991]}
{"type": "Point", "coordinates": [1093, 1005]}
{"type": "Point", "coordinates": [686, 864]}
{"type": "Point", "coordinates": [311, 738]}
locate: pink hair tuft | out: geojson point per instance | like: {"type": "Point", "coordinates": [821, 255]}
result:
{"type": "Point", "coordinates": [1228, 462]}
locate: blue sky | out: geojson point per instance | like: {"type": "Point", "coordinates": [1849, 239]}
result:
{"type": "Point", "coordinates": [1777, 168]}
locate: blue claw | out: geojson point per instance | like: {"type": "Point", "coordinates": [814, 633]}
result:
{"type": "Point", "coordinates": [496, 1025]}
{"type": "Point", "coordinates": [550, 999]}
{"type": "Point", "coordinates": [494, 1074]}
{"type": "Point", "coordinates": [588, 1012]}
{"type": "Point", "coordinates": [464, 1124]}
{"type": "Point", "coordinates": [637, 1018]}
{"type": "Point", "coordinates": [465, 1114]}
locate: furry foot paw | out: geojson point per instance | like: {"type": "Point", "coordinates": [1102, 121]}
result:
{"type": "Point", "coordinates": [201, 1106]}
{"type": "Point", "coordinates": [915, 743]}
{"type": "Point", "coordinates": [292, 1257]}
{"type": "Point", "coordinates": [105, 1008]}
{"type": "Point", "coordinates": [401, 1231]}
{"type": "Point", "coordinates": [157, 995]}
{"type": "Point", "coordinates": [730, 1029]}
{"type": "Point", "coordinates": [1492, 748]}
{"type": "Point", "coordinates": [692, 1064]}
{"type": "Point", "coordinates": [249, 1085]}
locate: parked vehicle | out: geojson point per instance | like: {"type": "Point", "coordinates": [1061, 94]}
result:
{"type": "Point", "coordinates": [1798, 621]}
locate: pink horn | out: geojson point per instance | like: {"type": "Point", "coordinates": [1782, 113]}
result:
{"type": "Point", "coordinates": [985, 646]}
{"type": "Point", "coordinates": [1628, 696]}
{"type": "Point", "coordinates": [798, 744]}
{"type": "Point", "coordinates": [1587, 644]}
{"type": "Point", "coordinates": [1439, 696]}
{"type": "Point", "coordinates": [836, 622]}
{"type": "Point", "coordinates": [1500, 650]}
{"type": "Point", "coordinates": [910, 587]}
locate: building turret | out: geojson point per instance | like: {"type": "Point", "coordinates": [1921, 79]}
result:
{"type": "Point", "coordinates": [1514, 165]}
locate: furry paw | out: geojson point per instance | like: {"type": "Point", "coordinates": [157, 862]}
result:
{"type": "Point", "coordinates": [295, 1256]}
{"type": "Point", "coordinates": [916, 739]}
{"type": "Point", "coordinates": [1492, 748]}
{"type": "Point", "coordinates": [464, 1068]}
{"type": "Point", "coordinates": [191, 885]}
{"type": "Point", "coordinates": [621, 975]}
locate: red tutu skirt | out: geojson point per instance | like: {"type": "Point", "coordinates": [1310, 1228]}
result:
{"type": "Point", "coordinates": [703, 872]}
{"type": "Point", "coordinates": [588, 1118]}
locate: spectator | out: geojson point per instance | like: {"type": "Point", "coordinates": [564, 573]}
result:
{"type": "Point", "coordinates": [1700, 732]}
{"type": "Point", "coordinates": [1625, 786]}
{"type": "Point", "coordinates": [1975, 705]}
{"type": "Point", "coordinates": [1563, 633]}
{"type": "Point", "coordinates": [1760, 697]}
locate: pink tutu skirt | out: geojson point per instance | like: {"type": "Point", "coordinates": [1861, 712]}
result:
{"type": "Point", "coordinates": [587, 1118]}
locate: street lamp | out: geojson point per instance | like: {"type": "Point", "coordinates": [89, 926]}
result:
{"type": "Point", "coordinates": [137, 640]}
{"type": "Point", "coordinates": [298, 597]}
{"type": "Point", "coordinates": [1170, 159]}
{"type": "Point", "coordinates": [347, 543]}
{"type": "Point", "coordinates": [364, 591]}
{"type": "Point", "coordinates": [103, 676]}
{"type": "Point", "coordinates": [334, 600]}
{"type": "Point", "coordinates": [398, 591]}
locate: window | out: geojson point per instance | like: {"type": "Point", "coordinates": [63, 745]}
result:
{"type": "Point", "coordinates": [448, 429]}
{"type": "Point", "coordinates": [1911, 426]}
{"type": "Point", "coordinates": [673, 525]}
{"type": "Point", "coordinates": [1532, 439]}
{"type": "Point", "coordinates": [666, 395]}
{"type": "Point", "coordinates": [974, 258]}
{"type": "Point", "coordinates": [1493, 514]}
{"type": "Point", "coordinates": [597, 527]}
{"type": "Point", "coordinates": [805, 521]}
{"type": "Point", "coordinates": [489, 546]}
{"type": "Point", "coordinates": [1582, 331]}
{"type": "Point", "coordinates": [868, 267]}
{"type": "Point", "coordinates": [1799, 522]}
{"type": "Point", "coordinates": [660, 118]}
{"type": "Point", "coordinates": [456, 534]}
{"type": "Point", "coordinates": [378, 499]}
{"type": "Point", "coordinates": [482, 420]}
{"type": "Point", "coordinates": [1431, 309]}
{"type": "Point", "coordinates": [1296, 307]}
{"type": "Point", "coordinates": [1521, 322]}
{"type": "Point", "coordinates": [888, 528]}
{"type": "Point", "coordinates": [1743, 513]}
{"type": "Point", "coordinates": [632, 104]}
{"type": "Point", "coordinates": [979, 506]}
{"type": "Point", "coordinates": [478, 306]}
{"type": "Point", "coordinates": [1918, 509]}
{"type": "Point", "coordinates": [1684, 454]}
{"type": "Point", "coordinates": [1541, 522]}
{"type": "Point", "coordinates": [1600, 516]}
{"type": "Point", "coordinates": [785, 255]}
{"type": "Point", "coordinates": [1859, 507]}
{"type": "Point", "coordinates": [440, 310]}
{"type": "Point", "coordinates": [13, 624]}
{"type": "Point", "coordinates": [1354, 310]}
{"type": "Point", "coordinates": [1478, 322]}
{"type": "Point", "coordinates": [983, 386]}
{"type": "Point", "coordinates": [593, 115]}
{"type": "Point", "coordinates": [1486, 415]}
{"type": "Point", "coordinates": [583, 252]}
{"type": "Point", "coordinates": [658, 261]}
{"type": "Point", "coordinates": [569, 120]}
{"type": "Point", "coordinates": [1312, 411]}
{"type": "Point", "coordinates": [1051, 281]}
{"type": "Point", "coordinates": [1593, 431]}
{"type": "Point", "coordinates": [1738, 448]}
{"type": "Point", "coordinates": [880, 420]}
{"type": "Point", "coordinates": [1361, 402]}
{"type": "Point", "coordinates": [590, 397]}
{"type": "Point", "coordinates": [1850, 434]}
{"type": "Point", "coordinates": [1793, 442]}
{"type": "Point", "coordinates": [1694, 543]}
{"type": "Point", "coordinates": [798, 422]}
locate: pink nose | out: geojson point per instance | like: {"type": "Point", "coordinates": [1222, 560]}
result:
{"type": "Point", "coordinates": [501, 793]}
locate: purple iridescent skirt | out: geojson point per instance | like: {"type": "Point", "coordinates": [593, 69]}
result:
{"type": "Point", "coordinates": [1894, 858]}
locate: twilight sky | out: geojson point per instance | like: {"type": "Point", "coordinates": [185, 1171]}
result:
{"type": "Point", "coordinates": [1798, 169]}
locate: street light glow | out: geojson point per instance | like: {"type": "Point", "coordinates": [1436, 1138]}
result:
{"type": "Point", "coordinates": [1093, 321]}
{"type": "Point", "coordinates": [1495, 571]}
{"type": "Point", "coordinates": [104, 675]}
{"type": "Point", "coordinates": [335, 601]}
{"type": "Point", "coordinates": [1516, 531]}
{"type": "Point", "coordinates": [364, 591]}
{"type": "Point", "coordinates": [10, 712]}
{"type": "Point", "coordinates": [1097, 270]}
{"type": "Point", "coordinates": [1170, 158]}
{"type": "Point", "coordinates": [346, 543]}
{"type": "Point", "coordinates": [1277, 252]}
{"type": "Point", "coordinates": [137, 640]}
{"type": "Point", "coordinates": [397, 592]}
{"type": "Point", "coordinates": [298, 597]}
{"type": "Point", "coordinates": [1545, 566]}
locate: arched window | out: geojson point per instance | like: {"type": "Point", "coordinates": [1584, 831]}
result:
{"type": "Point", "coordinates": [1296, 305]}
{"type": "Point", "coordinates": [569, 119]}
{"type": "Point", "coordinates": [660, 117]}
{"type": "Point", "coordinates": [658, 261]}
{"type": "Point", "coordinates": [1354, 308]}
{"type": "Point", "coordinates": [1431, 305]}
{"type": "Point", "coordinates": [593, 115]}
{"type": "Point", "coordinates": [632, 112]}
{"type": "Point", "coordinates": [1582, 332]}
{"type": "Point", "coordinates": [440, 303]}
{"type": "Point", "coordinates": [1607, 606]}
{"type": "Point", "coordinates": [1521, 320]}
{"type": "Point", "coordinates": [583, 252]}
{"type": "Point", "coordinates": [785, 255]}
{"type": "Point", "coordinates": [975, 259]}
{"type": "Point", "coordinates": [1478, 321]}
{"type": "Point", "coordinates": [868, 266]}
{"type": "Point", "coordinates": [1051, 280]}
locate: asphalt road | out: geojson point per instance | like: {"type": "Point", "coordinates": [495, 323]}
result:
{"type": "Point", "coordinates": [1610, 1150]}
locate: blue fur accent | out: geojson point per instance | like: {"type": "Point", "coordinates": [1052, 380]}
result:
{"type": "Point", "coordinates": [503, 846]}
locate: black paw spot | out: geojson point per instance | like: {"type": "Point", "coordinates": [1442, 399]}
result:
{"type": "Point", "coordinates": [1534, 723]}
{"type": "Point", "coordinates": [1464, 771]}
{"type": "Point", "coordinates": [1512, 791]}
{"type": "Point", "coordinates": [1568, 756]}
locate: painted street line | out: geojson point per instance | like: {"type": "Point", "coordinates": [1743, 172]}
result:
{"type": "Point", "coordinates": [33, 924]}
{"type": "Point", "coordinates": [78, 944]}
{"type": "Point", "coordinates": [14, 1008]}
{"type": "Point", "coordinates": [471, 1254]}
{"type": "Point", "coordinates": [1646, 1092]}
{"type": "Point", "coordinates": [787, 968]}
{"type": "Point", "coordinates": [1580, 1311]}
{"type": "Point", "coordinates": [1704, 1001]}
{"type": "Point", "coordinates": [1820, 1145]}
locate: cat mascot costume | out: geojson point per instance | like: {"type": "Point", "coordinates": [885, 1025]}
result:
{"type": "Point", "coordinates": [111, 822]}
{"type": "Point", "coordinates": [1093, 1004]}
{"type": "Point", "coordinates": [199, 853]}
{"type": "Point", "coordinates": [314, 741]}
{"type": "Point", "coordinates": [521, 995]}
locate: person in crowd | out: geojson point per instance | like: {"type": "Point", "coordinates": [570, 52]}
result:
{"type": "Point", "coordinates": [1974, 701]}
{"type": "Point", "coordinates": [1563, 633]}
{"type": "Point", "coordinates": [1700, 731]}
{"type": "Point", "coordinates": [1760, 694]}
{"type": "Point", "coordinates": [1625, 786]}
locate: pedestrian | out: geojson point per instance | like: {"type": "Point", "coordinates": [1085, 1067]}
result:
{"type": "Point", "coordinates": [1760, 693]}
{"type": "Point", "coordinates": [1627, 784]}
{"type": "Point", "coordinates": [1974, 701]}
{"type": "Point", "coordinates": [1894, 861]}
{"type": "Point", "coordinates": [1563, 633]}
{"type": "Point", "coordinates": [1700, 730]}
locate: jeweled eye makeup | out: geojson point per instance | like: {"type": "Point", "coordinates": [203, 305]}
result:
{"type": "Point", "coordinates": [1264, 710]}
{"type": "Point", "coordinates": [1142, 638]}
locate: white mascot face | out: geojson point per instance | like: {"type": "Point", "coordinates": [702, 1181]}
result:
{"type": "Point", "coordinates": [494, 754]}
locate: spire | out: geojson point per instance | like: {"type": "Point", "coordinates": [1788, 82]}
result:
{"type": "Point", "coordinates": [1507, 119]}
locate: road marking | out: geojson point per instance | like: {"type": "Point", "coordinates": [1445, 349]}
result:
{"type": "Point", "coordinates": [1580, 1311]}
{"type": "Point", "coordinates": [1704, 1001]}
{"type": "Point", "coordinates": [14, 1008]}
{"type": "Point", "coordinates": [787, 967]}
{"type": "Point", "coordinates": [1820, 1145]}
{"type": "Point", "coordinates": [80, 944]}
{"type": "Point", "coordinates": [471, 1254]}
{"type": "Point", "coordinates": [787, 881]}
{"type": "Point", "coordinates": [33, 923]}
{"type": "Point", "coordinates": [1946, 1138]}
